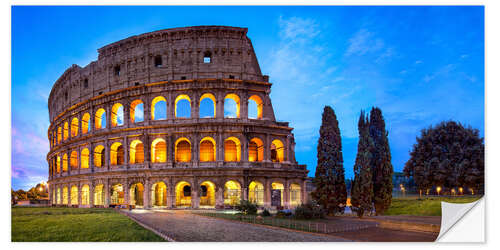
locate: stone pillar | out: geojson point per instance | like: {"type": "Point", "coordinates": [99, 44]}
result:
{"type": "Point", "coordinates": [91, 194]}
{"type": "Point", "coordinates": [125, 151]}
{"type": "Point", "coordinates": [195, 200]}
{"type": "Point", "coordinates": [267, 148]}
{"type": "Point", "coordinates": [170, 148]}
{"type": "Point", "coordinates": [219, 114]}
{"type": "Point", "coordinates": [219, 148]}
{"type": "Point", "coordinates": [147, 194]}
{"type": "Point", "coordinates": [244, 107]}
{"type": "Point", "coordinates": [303, 192]}
{"type": "Point", "coordinates": [107, 154]}
{"type": "Point", "coordinates": [91, 157]}
{"type": "Point", "coordinates": [286, 194]}
{"type": "Point", "coordinates": [195, 106]}
{"type": "Point", "coordinates": [126, 192]}
{"type": "Point", "coordinates": [147, 111]}
{"type": "Point", "coordinates": [126, 114]}
{"type": "Point", "coordinates": [219, 194]}
{"type": "Point", "coordinates": [170, 193]}
{"type": "Point", "coordinates": [107, 195]}
{"type": "Point", "coordinates": [108, 117]}
{"type": "Point", "coordinates": [244, 149]}
{"type": "Point", "coordinates": [171, 106]}
{"type": "Point", "coordinates": [267, 193]}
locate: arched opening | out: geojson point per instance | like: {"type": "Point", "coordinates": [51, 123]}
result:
{"type": "Point", "coordinates": [136, 152]}
{"type": "Point", "coordinates": [116, 154]}
{"type": "Point", "coordinates": [183, 194]}
{"type": "Point", "coordinates": [117, 195]}
{"type": "Point", "coordinates": [66, 131]}
{"type": "Point", "coordinates": [85, 158]}
{"type": "Point", "coordinates": [99, 157]}
{"type": "Point", "coordinates": [207, 149]}
{"type": "Point", "coordinates": [74, 127]}
{"type": "Point", "coordinates": [232, 193]}
{"type": "Point", "coordinates": [58, 196]}
{"type": "Point", "coordinates": [159, 194]}
{"type": "Point", "coordinates": [207, 57]}
{"type": "Point", "coordinates": [74, 195]}
{"type": "Point", "coordinates": [295, 195]}
{"type": "Point", "coordinates": [182, 150]}
{"type": "Point", "coordinates": [207, 194]}
{"type": "Point", "coordinates": [65, 196]}
{"type": "Point", "coordinates": [99, 195]}
{"type": "Point", "coordinates": [159, 108]}
{"type": "Point", "coordinates": [232, 149]}
{"type": "Point", "coordinates": [256, 193]}
{"type": "Point", "coordinates": [207, 106]}
{"type": "Point", "coordinates": [255, 107]}
{"type": "Point", "coordinates": [117, 115]}
{"type": "Point", "coordinates": [85, 194]}
{"type": "Point", "coordinates": [73, 160]}
{"type": "Point", "coordinates": [277, 151]}
{"type": "Point", "coordinates": [137, 194]}
{"type": "Point", "coordinates": [85, 123]}
{"type": "Point", "coordinates": [183, 106]}
{"type": "Point", "coordinates": [58, 164]}
{"type": "Point", "coordinates": [59, 135]}
{"type": "Point", "coordinates": [232, 106]}
{"type": "Point", "coordinates": [100, 119]}
{"type": "Point", "coordinates": [255, 150]}
{"type": "Point", "coordinates": [159, 150]}
{"type": "Point", "coordinates": [65, 163]}
{"type": "Point", "coordinates": [277, 193]}
{"type": "Point", "coordinates": [136, 111]}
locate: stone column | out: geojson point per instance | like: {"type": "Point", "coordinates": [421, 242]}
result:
{"type": "Point", "coordinates": [147, 110]}
{"type": "Point", "coordinates": [219, 114]}
{"type": "Point", "coordinates": [126, 114]}
{"type": "Point", "coordinates": [126, 192]}
{"type": "Point", "coordinates": [195, 201]}
{"type": "Point", "coordinates": [244, 107]}
{"type": "Point", "coordinates": [91, 194]}
{"type": "Point", "coordinates": [91, 157]}
{"type": "Point", "coordinates": [219, 194]}
{"type": "Point", "coordinates": [303, 192]}
{"type": "Point", "coordinates": [108, 117]}
{"type": "Point", "coordinates": [107, 195]}
{"type": "Point", "coordinates": [147, 194]}
{"type": "Point", "coordinates": [244, 149]}
{"type": "Point", "coordinates": [170, 149]}
{"type": "Point", "coordinates": [170, 193]}
{"type": "Point", "coordinates": [195, 106]}
{"type": "Point", "coordinates": [107, 154]}
{"type": "Point", "coordinates": [286, 194]}
{"type": "Point", "coordinates": [219, 148]}
{"type": "Point", "coordinates": [125, 151]}
{"type": "Point", "coordinates": [267, 148]}
{"type": "Point", "coordinates": [267, 193]}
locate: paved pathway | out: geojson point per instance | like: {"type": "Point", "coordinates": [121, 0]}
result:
{"type": "Point", "coordinates": [185, 226]}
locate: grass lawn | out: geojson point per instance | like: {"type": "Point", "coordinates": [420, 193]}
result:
{"type": "Point", "coordinates": [75, 224]}
{"type": "Point", "coordinates": [427, 206]}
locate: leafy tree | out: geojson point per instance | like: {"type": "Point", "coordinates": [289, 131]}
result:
{"type": "Point", "coordinates": [381, 162]}
{"type": "Point", "coordinates": [329, 180]}
{"type": "Point", "coordinates": [362, 186]}
{"type": "Point", "coordinates": [447, 155]}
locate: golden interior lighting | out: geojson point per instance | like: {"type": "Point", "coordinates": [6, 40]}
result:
{"type": "Point", "coordinates": [117, 194]}
{"type": "Point", "coordinates": [181, 97]}
{"type": "Point", "coordinates": [85, 194]}
{"type": "Point", "coordinates": [58, 196]}
{"type": "Point", "coordinates": [74, 127]}
{"type": "Point", "coordinates": [277, 151]}
{"type": "Point", "coordinates": [281, 187]}
{"type": "Point", "coordinates": [136, 194]}
{"type": "Point", "coordinates": [99, 157]}
{"type": "Point", "coordinates": [236, 99]}
{"type": "Point", "coordinates": [66, 130]}
{"type": "Point", "coordinates": [182, 150]}
{"type": "Point", "coordinates": [133, 110]}
{"type": "Point", "coordinates": [99, 195]}
{"type": "Point", "coordinates": [207, 194]}
{"type": "Point", "coordinates": [117, 115]}
{"type": "Point", "coordinates": [158, 150]}
{"type": "Point", "coordinates": [212, 98]}
{"type": "Point", "coordinates": [85, 158]}
{"type": "Point", "coordinates": [65, 196]}
{"type": "Point", "coordinates": [232, 193]}
{"type": "Point", "coordinates": [207, 149]}
{"type": "Point", "coordinates": [100, 118]}
{"type": "Point", "coordinates": [116, 154]}
{"type": "Point", "coordinates": [232, 149]}
{"type": "Point", "coordinates": [158, 101]}
{"type": "Point", "coordinates": [65, 163]}
{"type": "Point", "coordinates": [159, 194]}
{"type": "Point", "coordinates": [136, 152]}
{"type": "Point", "coordinates": [74, 195]}
{"type": "Point", "coordinates": [183, 194]}
{"type": "Point", "coordinates": [255, 150]}
{"type": "Point", "coordinates": [85, 123]}
{"type": "Point", "coordinates": [73, 160]}
{"type": "Point", "coordinates": [294, 194]}
{"type": "Point", "coordinates": [59, 135]}
{"type": "Point", "coordinates": [58, 164]}
{"type": "Point", "coordinates": [256, 193]}
{"type": "Point", "coordinates": [258, 103]}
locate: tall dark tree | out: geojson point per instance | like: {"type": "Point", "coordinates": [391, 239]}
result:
{"type": "Point", "coordinates": [362, 187]}
{"type": "Point", "coordinates": [329, 179]}
{"type": "Point", "coordinates": [381, 162]}
{"type": "Point", "coordinates": [447, 155]}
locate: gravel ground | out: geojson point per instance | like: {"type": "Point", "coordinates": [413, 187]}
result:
{"type": "Point", "coordinates": [185, 226]}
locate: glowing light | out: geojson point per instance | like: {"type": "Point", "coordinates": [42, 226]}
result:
{"type": "Point", "coordinates": [438, 189]}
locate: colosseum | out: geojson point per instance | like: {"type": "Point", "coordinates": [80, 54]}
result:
{"type": "Point", "coordinates": [176, 118]}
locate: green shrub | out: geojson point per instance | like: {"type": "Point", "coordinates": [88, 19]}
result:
{"type": "Point", "coordinates": [247, 208]}
{"type": "Point", "coordinates": [309, 211]}
{"type": "Point", "coordinates": [265, 213]}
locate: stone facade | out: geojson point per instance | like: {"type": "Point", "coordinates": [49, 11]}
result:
{"type": "Point", "coordinates": [93, 147]}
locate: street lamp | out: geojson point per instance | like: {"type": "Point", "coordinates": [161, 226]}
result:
{"type": "Point", "coordinates": [438, 189]}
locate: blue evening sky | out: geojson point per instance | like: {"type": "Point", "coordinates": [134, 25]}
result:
{"type": "Point", "coordinates": [420, 65]}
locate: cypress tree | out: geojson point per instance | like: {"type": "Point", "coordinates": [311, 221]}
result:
{"type": "Point", "coordinates": [362, 187]}
{"type": "Point", "coordinates": [329, 180]}
{"type": "Point", "coordinates": [381, 162]}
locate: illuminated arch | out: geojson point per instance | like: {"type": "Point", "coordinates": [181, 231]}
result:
{"type": "Point", "coordinates": [117, 194]}
{"type": "Point", "coordinates": [73, 160]}
{"type": "Point", "coordinates": [74, 127]}
{"type": "Point", "coordinates": [279, 186]}
{"type": "Point", "coordinates": [84, 158]}
{"type": "Point", "coordinates": [65, 195]}
{"type": "Point", "coordinates": [277, 151]}
{"type": "Point", "coordinates": [65, 163]}
{"type": "Point", "coordinates": [85, 195]}
{"type": "Point", "coordinates": [116, 154]}
{"type": "Point", "coordinates": [255, 150]}
{"type": "Point", "coordinates": [136, 194]}
{"type": "Point", "coordinates": [236, 110]}
{"type": "Point", "coordinates": [179, 98]}
{"type": "Point", "coordinates": [58, 164]}
{"type": "Point", "coordinates": [136, 111]}
{"type": "Point", "coordinates": [232, 193]}
{"type": "Point", "coordinates": [159, 194]}
{"type": "Point", "coordinates": [232, 149]}
{"type": "Point", "coordinates": [208, 97]}
{"type": "Point", "coordinates": [117, 115]}
{"type": "Point", "coordinates": [74, 195]}
{"type": "Point", "coordinates": [207, 149]}
{"type": "Point", "coordinates": [99, 156]}
{"type": "Point", "coordinates": [58, 196]}
{"type": "Point", "coordinates": [255, 103]}
{"type": "Point", "coordinates": [59, 134]}
{"type": "Point", "coordinates": [183, 194]}
{"type": "Point", "coordinates": [85, 123]}
{"type": "Point", "coordinates": [295, 195]}
{"type": "Point", "coordinates": [155, 106]}
{"type": "Point", "coordinates": [99, 195]}
{"type": "Point", "coordinates": [182, 150]}
{"type": "Point", "coordinates": [136, 152]}
{"type": "Point", "coordinates": [256, 193]}
{"type": "Point", "coordinates": [66, 131]}
{"type": "Point", "coordinates": [158, 150]}
{"type": "Point", "coordinates": [100, 119]}
{"type": "Point", "coordinates": [207, 194]}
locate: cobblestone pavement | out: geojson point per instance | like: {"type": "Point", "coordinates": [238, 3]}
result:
{"type": "Point", "coordinates": [185, 226]}
{"type": "Point", "coordinates": [377, 234]}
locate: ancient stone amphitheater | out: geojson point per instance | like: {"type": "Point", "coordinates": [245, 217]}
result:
{"type": "Point", "coordinates": [176, 118]}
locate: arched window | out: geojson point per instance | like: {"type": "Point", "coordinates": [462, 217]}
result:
{"type": "Point", "coordinates": [74, 127]}
{"type": "Point", "coordinates": [74, 195]}
{"type": "Point", "coordinates": [232, 149]}
{"type": "Point", "coordinates": [255, 150]}
{"type": "Point", "coordinates": [207, 149]}
{"type": "Point", "coordinates": [159, 108]}
{"type": "Point", "coordinates": [136, 194]}
{"type": "Point", "coordinates": [65, 163]}
{"type": "Point", "coordinates": [207, 106]}
{"type": "Point", "coordinates": [58, 163]}
{"type": "Point", "coordinates": [159, 194]}
{"type": "Point", "coordinates": [295, 195]}
{"type": "Point", "coordinates": [158, 61]}
{"type": "Point", "coordinates": [277, 151]}
{"type": "Point", "coordinates": [255, 107]}
{"type": "Point", "coordinates": [100, 119]}
{"type": "Point", "coordinates": [99, 195]}
{"type": "Point", "coordinates": [183, 194]}
{"type": "Point", "coordinates": [232, 106]}
{"type": "Point", "coordinates": [136, 152]}
{"type": "Point", "coordinates": [136, 111]}
{"type": "Point", "coordinates": [117, 115]}
{"type": "Point", "coordinates": [183, 106]}
{"type": "Point", "coordinates": [117, 194]}
{"type": "Point", "coordinates": [85, 195]}
{"type": "Point", "coordinates": [59, 135]}
{"type": "Point", "coordinates": [116, 154]}
{"type": "Point", "coordinates": [207, 57]}
{"type": "Point", "coordinates": [58, 196]}
{"type": "Point", "coordinates": [159, 150]}
{"type": "Point", "coordinates": [207, 194]}
{"type": "Point", "coordinates": [73, 162]}
{"type": "Point", "coordinates": [84, 158]}
{"type": "Point", "coordinates": [275, 187]}
{"type": "Point", "coordinates": [99, 156]}
{"type": "Point", "coordinates": [65, 196]}
{"type": "Point", "coordinates": [66, 130]}
{"type": "Point", "coordinates": [256, 193]}
{"type": "Point", "coordinates": [182, 150]}
{"type": "Point", "coordinates": [232, 193]}
{"type": "Point", "coordinates": [85, 123]}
